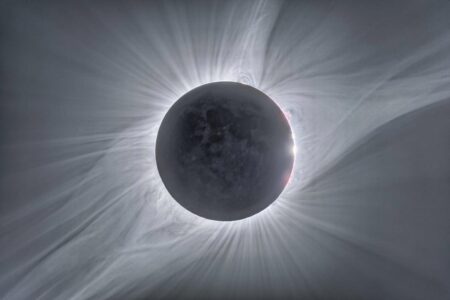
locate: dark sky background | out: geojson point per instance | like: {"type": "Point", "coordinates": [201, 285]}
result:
{"type": "Point", "coordinates": [84, 86]}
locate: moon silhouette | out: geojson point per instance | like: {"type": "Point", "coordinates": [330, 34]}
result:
{"type": "Point", "coordinates": [224, 151]}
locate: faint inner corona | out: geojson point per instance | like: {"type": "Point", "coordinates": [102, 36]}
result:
{"type": "Point", "coordinates": [224, 151]}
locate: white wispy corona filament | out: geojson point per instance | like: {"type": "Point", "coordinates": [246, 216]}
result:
{"type": "Point", "coordinates": [85, 213]}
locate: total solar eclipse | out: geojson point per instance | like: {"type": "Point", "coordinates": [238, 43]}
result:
{"type": "Point", "coordinates": [224, 151]}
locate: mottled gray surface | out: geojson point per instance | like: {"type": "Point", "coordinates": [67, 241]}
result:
{"type": "Point", "coordinates": [215, 146]}
{"type": "Point", "coordinates": [85, 85]}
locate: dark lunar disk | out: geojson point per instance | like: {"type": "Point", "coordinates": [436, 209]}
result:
{"type": "Point", "coordinates": [224, 151]}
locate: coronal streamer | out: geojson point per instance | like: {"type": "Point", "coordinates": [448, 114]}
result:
{"type": "Point", "coordinates": [85, 86]}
